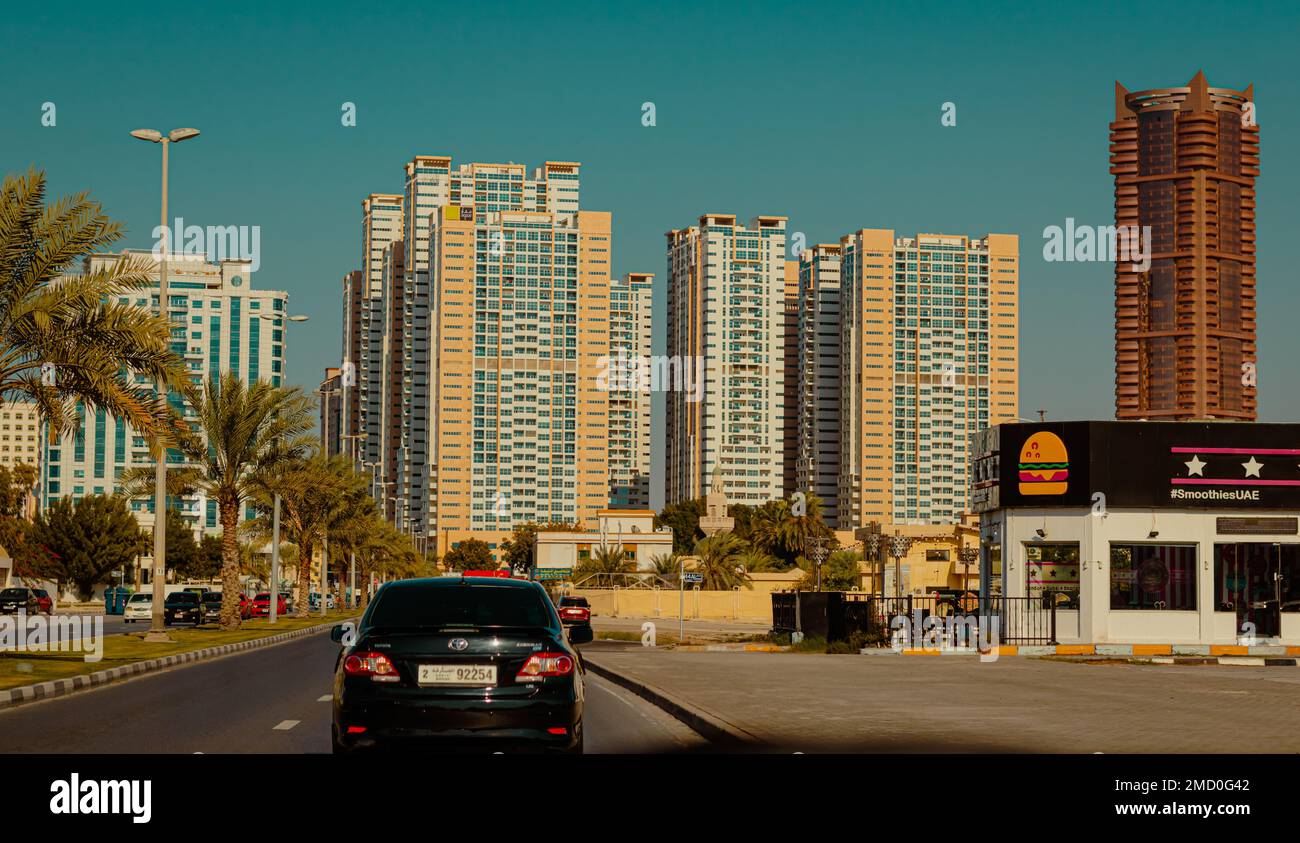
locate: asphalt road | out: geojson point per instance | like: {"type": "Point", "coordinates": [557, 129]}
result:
{"type": "Point", "coordinates": [273, 700]}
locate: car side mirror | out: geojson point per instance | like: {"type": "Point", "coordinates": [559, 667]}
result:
{"type": "Point", "coordinates": [581, 634]}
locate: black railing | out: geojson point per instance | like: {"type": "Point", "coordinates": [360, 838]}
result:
{"type": "Point", "coordinates": [837, 615]}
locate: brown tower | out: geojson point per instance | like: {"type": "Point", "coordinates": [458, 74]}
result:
{"type": "Point", "coordinates": [1185, 162]}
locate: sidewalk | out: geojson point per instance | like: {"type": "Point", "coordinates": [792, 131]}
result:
{"type": "Point", "coordinates": [790, 702]}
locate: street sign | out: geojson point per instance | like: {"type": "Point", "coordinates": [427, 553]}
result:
{"type": "Point", "coordinates": [689, 577]}
{"type": "Point", "coordinates": [551, 574]}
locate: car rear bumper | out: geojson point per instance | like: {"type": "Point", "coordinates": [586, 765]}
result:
{"type": "Point", "coordinates": [507, 724]}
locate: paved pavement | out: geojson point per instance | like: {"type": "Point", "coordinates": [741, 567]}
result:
{"type": "Point", "coordinates": [274, 700]}
{"type": "Point", "coordinates": [851, 703]}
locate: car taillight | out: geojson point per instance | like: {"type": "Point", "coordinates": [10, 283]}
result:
{"type": "Point", "coordinates": [541, 665]}
{"type": "Point", "coordinates": [375, 665]}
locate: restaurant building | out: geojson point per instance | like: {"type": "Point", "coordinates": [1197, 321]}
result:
{"type": "Point", "coordinates": [1145, 532]}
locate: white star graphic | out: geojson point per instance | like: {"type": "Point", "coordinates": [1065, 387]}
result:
{"type": "Point", "coordinates": [1195, 466]}
{"type": "Point", "coordinates": [1252, 467]}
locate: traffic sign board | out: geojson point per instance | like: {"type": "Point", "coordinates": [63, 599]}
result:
{"type": "Point", "coordinates": [689, 577]}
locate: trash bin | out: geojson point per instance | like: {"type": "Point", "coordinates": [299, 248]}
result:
{"type": "Point", "coordinates": [115, 598]}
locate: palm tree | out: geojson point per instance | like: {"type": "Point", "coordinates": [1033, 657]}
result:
{"type": "Point", "coordinates": [241, 431]}
{"type": "Point", "coordinates": [606, 560]}
{"type": "Point", "coordinates": [98, 343]}
{"type": "Point", "coordinates": [721, 559]}
{"type": "Point", "coordinates": [313, 492]}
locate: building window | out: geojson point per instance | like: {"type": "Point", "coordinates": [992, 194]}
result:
{"type": "Point", "coordinates": [1052, 572]}
{"type": "Point", "coordinates": [1153, 576]}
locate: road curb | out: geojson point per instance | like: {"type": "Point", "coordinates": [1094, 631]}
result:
{"type": "Point", "coordinates": [55, 688]}
{"type": "Point", "coordinates": [709, 725]}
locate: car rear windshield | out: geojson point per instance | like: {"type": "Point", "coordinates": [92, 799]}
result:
{"type": "Point", "coordinates": [436, 606]}
{"type": "Point", "coordinates": [211, 596]}
{"type": "Point", "coordinates": [13, 593]}
{"type": "Point", "coordinates": [183, 597]}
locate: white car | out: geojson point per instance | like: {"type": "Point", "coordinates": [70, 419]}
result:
{"type": "Point", "coordinates": [139, 608]}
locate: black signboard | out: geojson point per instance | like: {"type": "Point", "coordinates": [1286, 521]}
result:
{"type": "Point", "coordinates": [1176, 465]}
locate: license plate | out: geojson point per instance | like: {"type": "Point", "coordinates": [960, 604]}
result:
{"type": "Point", "coordinates": [457, 674]}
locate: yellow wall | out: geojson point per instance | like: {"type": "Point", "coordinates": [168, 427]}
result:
{"type": "Point", "coordinates": [744, 605]}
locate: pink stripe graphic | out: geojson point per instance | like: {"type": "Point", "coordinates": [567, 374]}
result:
{"type": "Point", "coordinates": [1210, 481]}
{"type": "Point", "coordinates": [1287, 451]}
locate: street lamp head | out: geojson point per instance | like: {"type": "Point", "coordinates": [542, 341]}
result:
{"type": "Point", "coordinates": [297, 318]}
{"type": "Point", "coordinates": [151, 135]}
{"type": "Point", "coordinates": [178, 135]}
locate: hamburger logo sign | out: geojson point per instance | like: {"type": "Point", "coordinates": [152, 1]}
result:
{"type": "Point", "coordinates": [1044, 465]}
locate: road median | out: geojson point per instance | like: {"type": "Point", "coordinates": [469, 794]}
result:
{"type": "Point", "coordinates": [128, 656]}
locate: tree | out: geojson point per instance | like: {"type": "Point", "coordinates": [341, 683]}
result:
{"type": "Point", "coordinates": [83, 542]}
{"type": "Point", "coordinates": [312, 492]}
{"type": "Point", "coordinates": [606, 560]}
{"type": "Point", "coordinates": [684, 519]}
{"type": "Point", "coordinates": [469, 555]}
{"type": "Point", "coordinates": [519, 549]}
{"type": "Point", "coordinates": [183, 555]}
{"type": "Point", "coordinates": [15, 488]}
{"type": "Point", "coordinates": [720, 562]}
{"type": "Point", "coordinates": [240, 429]}
{"type": "Point", "coordinates": [839, 573]}
{"type": "Point", "coordinates": [82, 324]}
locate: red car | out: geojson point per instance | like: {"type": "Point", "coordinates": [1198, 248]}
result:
{"type": "Point", "coordinates": [44, 601]}
{"type": "Point", "coordinates": [262, 605]}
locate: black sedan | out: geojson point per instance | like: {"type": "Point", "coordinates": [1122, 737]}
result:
{"type": "Point", "coordinates": [453, 662]}
{"type": "Point", "coordinates": [14, 600]}
{"type": "Point", "coordinates": [183, 607]}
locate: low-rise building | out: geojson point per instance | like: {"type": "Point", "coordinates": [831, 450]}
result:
{"type": "Point", "coordinates": [1145, 532]}
{"type": "Point", "coordinates": [633, 531]}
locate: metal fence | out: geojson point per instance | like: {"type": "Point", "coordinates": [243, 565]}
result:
{"type": "Point", "coordinates": [836, 615]}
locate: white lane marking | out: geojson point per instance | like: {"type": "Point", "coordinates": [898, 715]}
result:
{"type": "Point", "coordinates": [325, 698]}
{"type": "Point", "coordinates": [286, 725]}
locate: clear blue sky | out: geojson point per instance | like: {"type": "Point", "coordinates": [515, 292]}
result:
{"type": "Point", "coordinates": [827, 113]}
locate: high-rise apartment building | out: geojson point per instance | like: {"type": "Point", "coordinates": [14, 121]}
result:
{"type": "Point", "coordinates": [520, 301]}
{"type": "Point", "coordinates": [330, 394]}
{"type": "Point", "coordinates": [355, 319]}
{"type": "Point", "coordinates": [20, 434]}
{"type": "Point", "coordinates": [726, 334]}
{"type": "Point", "coordinates": [220, 323]}
{"type": "Point", "coordinates": [395, 386]}
{"type": "Point", "coordinates": [381, 225]}
{"type": "Point", "coordinates": [630, 300]}
{"type": "Point", "coordinates": [929, 356]}
{"type": "Point", "coordinates": [818, 381]}
{"type": "Point", "coordinates": [790, 382]}
{"type": "Point", "coordinates": [1185, 162]}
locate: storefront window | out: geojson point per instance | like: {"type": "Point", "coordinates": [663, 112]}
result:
{"type": "Point", "coordinates": [1052, 572]}
{"type": "Point", "coordinates": [1153, 576]}
{"type": "Point", "coordinates": [995, 569]}
{"type": "Point", "coordinates": [1257, 580]}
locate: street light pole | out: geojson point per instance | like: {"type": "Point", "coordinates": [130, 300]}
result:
{"type": "Point", "coordinates": [274, 599]}
{"type": "Point", "coordinates": [157, 626]}
{"type": "Point", "coordinates": [275, 561]}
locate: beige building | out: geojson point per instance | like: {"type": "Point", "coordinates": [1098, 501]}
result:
{"type": "Point", "coordinates": [519, 321]}
{"type": "Point", "coordinates": [933, 560]}
{"type": "Point", "coordinates": [727, 287]}
{"type": "Point", "coordinates": [20, 434]}
{"type": "Point", "coordinates": [630, 304]}
{"type": "Point", "coordinates": [631, 530]}
{"type": "Point", "coordinates": [928, 356]}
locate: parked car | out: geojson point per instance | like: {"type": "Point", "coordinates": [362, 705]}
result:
{"type": "Point", "coordinates": [45, 600]}
{"type": "Point", "coordinates": [443, 661]}
{"type": "Point", "coordinates": [313, 601]}
{"type": "Point", "coordinates": [262, 605]}
{"type": "Point", "coordinates": [183, 607]}
{"type": "Point", "coordinates": [287, 597]}
{"type": "Point", "coordinates": [212, 606]}
{"type": "Point", "coordinates": [575, 614]}
{"type": "Point", "coordinates": [18, 599]}
{"type": "Point", "coordinates": [139, 607]}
